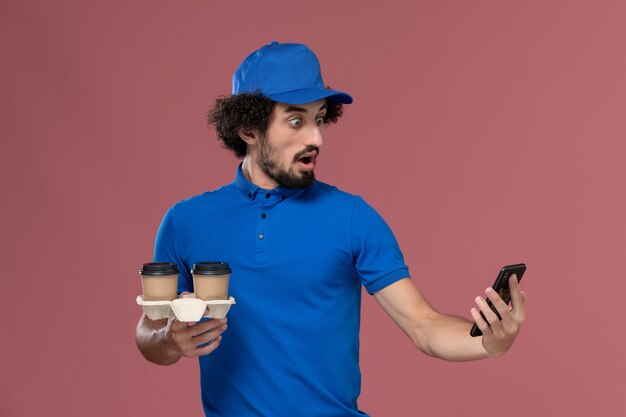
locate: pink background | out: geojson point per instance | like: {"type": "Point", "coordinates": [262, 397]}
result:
{"type": "Point", "coordinates": [486, 133]}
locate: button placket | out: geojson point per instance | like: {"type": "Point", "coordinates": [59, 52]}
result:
{"type": "Point", "coordinates": [266, 204]}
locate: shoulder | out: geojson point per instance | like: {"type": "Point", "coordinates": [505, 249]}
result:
{"type": "Point", "coordinates": [322, 189]}
{"type": "Point", "coordinates": [206, 200]}
{"type": "Point", "coordinates": [355, 201]}
{"type": "Point", "coordinates": [339, 200]}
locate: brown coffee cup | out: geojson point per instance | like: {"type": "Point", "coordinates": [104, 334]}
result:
{"type": "Point", "coordinates": [210, 280]}
{"type": "Point", "coordinates": [159, 281]}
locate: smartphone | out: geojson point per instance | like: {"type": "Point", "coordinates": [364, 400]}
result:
{"type": "Point", "coordinates": [501, 286]}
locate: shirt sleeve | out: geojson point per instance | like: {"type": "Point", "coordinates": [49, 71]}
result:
{"type": "Point", "coordinates": [166, 250]}
{"type": "Point", "coordinates": [377, 257]}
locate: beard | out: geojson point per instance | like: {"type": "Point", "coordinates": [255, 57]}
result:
{"type": "Point", "coordinates": [287, 178]}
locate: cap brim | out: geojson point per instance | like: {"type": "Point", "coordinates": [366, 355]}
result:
{"type": "Point", "coordinates": [310, 95]}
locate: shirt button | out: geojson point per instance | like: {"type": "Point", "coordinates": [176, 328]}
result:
{"type": "Point", "coordinates": [261, 236]}
{"type": "Point", "coordinates": [268, 195]}
{"type": "Point", "coordinates": [263, 215]}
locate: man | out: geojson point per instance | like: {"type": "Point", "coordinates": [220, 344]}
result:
{"type": "Point", "coordinates": [300, 251]}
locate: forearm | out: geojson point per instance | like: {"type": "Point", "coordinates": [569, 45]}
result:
{"type": "Point", "coordinates": [447, 337]}
{"type": "Point", "coordinates": [151, 336]}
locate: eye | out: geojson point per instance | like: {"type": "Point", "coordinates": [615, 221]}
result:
{"type": "Point", "coordinates": [320, 120]}
{"type": "Point", "coordinates": [295, 122]}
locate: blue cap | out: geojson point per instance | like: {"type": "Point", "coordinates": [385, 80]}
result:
{"type": "Point", "coordinates": [285, 72]}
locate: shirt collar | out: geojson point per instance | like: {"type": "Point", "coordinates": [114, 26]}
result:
{"type": "Point", "coordinates": [251, 191]}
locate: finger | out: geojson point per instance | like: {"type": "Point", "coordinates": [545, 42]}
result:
{"type": "Point", "coordinates": [491, 316]}
{"type": "Point", "coordinates": [208, 325]}
{"type": "Point", "coordinates": [508, 323]}
{"type": "Point", "coordinates": [203, 338]}
{"type": "Point", "coordinates": [516, 296]}
{"type": "Point", "coordinates": [486, 310]}
{"type": "Point", "coordinates": [196, 345]}
{"type": "Point", "coordinates": [210, 347]}
{"type": "Point", "coordinates": [176, 325]}
{"type": "Point", "coordinates": [190, 344]}
{"type": "Point", "coordinates": [518, 312]}
{"type": "Point", "coordinates": [184, 331]}
{"type": "Point", "coordinates": [480, 322]}
{"type": "Point", "coordinates": [498, 303]}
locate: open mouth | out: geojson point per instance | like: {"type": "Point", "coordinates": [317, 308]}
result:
{"type": "Point", "coordinates": [307, 161]}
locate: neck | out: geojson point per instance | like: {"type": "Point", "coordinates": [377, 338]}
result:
{"type": "Point", "coordinates": [255, 174]}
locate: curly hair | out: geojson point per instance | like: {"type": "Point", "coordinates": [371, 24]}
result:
{"type": "Point", "coordinates": [250, 111]}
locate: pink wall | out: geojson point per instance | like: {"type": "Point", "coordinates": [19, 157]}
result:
{"type": "Point", "coordinates": [486, 133]}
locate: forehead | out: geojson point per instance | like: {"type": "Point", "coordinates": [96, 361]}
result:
{"type": "Point", "coordinates": [312, 107]}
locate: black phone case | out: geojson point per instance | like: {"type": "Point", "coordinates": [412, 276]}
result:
{"type": "Point", "coordinates": [501, 286]}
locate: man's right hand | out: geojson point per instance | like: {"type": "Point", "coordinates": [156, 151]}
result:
{"type": "Point", "coordinates": [190, 339]}
{"type": "Point", "coordinates": [164, 342]}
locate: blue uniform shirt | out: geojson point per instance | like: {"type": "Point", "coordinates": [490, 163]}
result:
{"type": "Point", "coordinates": [298, 259]}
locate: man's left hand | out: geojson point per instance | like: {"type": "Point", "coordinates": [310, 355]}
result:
{"type": "Point", "coordinates": [499, 335]}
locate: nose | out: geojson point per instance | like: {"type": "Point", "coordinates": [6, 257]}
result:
{"type": "Point", "coordinates": [315, 137]}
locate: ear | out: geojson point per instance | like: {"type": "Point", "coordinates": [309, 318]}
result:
{"type": "Point", "coordinates": [251, 137]}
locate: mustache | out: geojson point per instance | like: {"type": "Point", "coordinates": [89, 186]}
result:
{"type": "Point", "coordinates": [307, 149]}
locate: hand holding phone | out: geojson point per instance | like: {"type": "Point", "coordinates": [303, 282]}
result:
{"type": "Point", "coordinates": [501, 286]}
